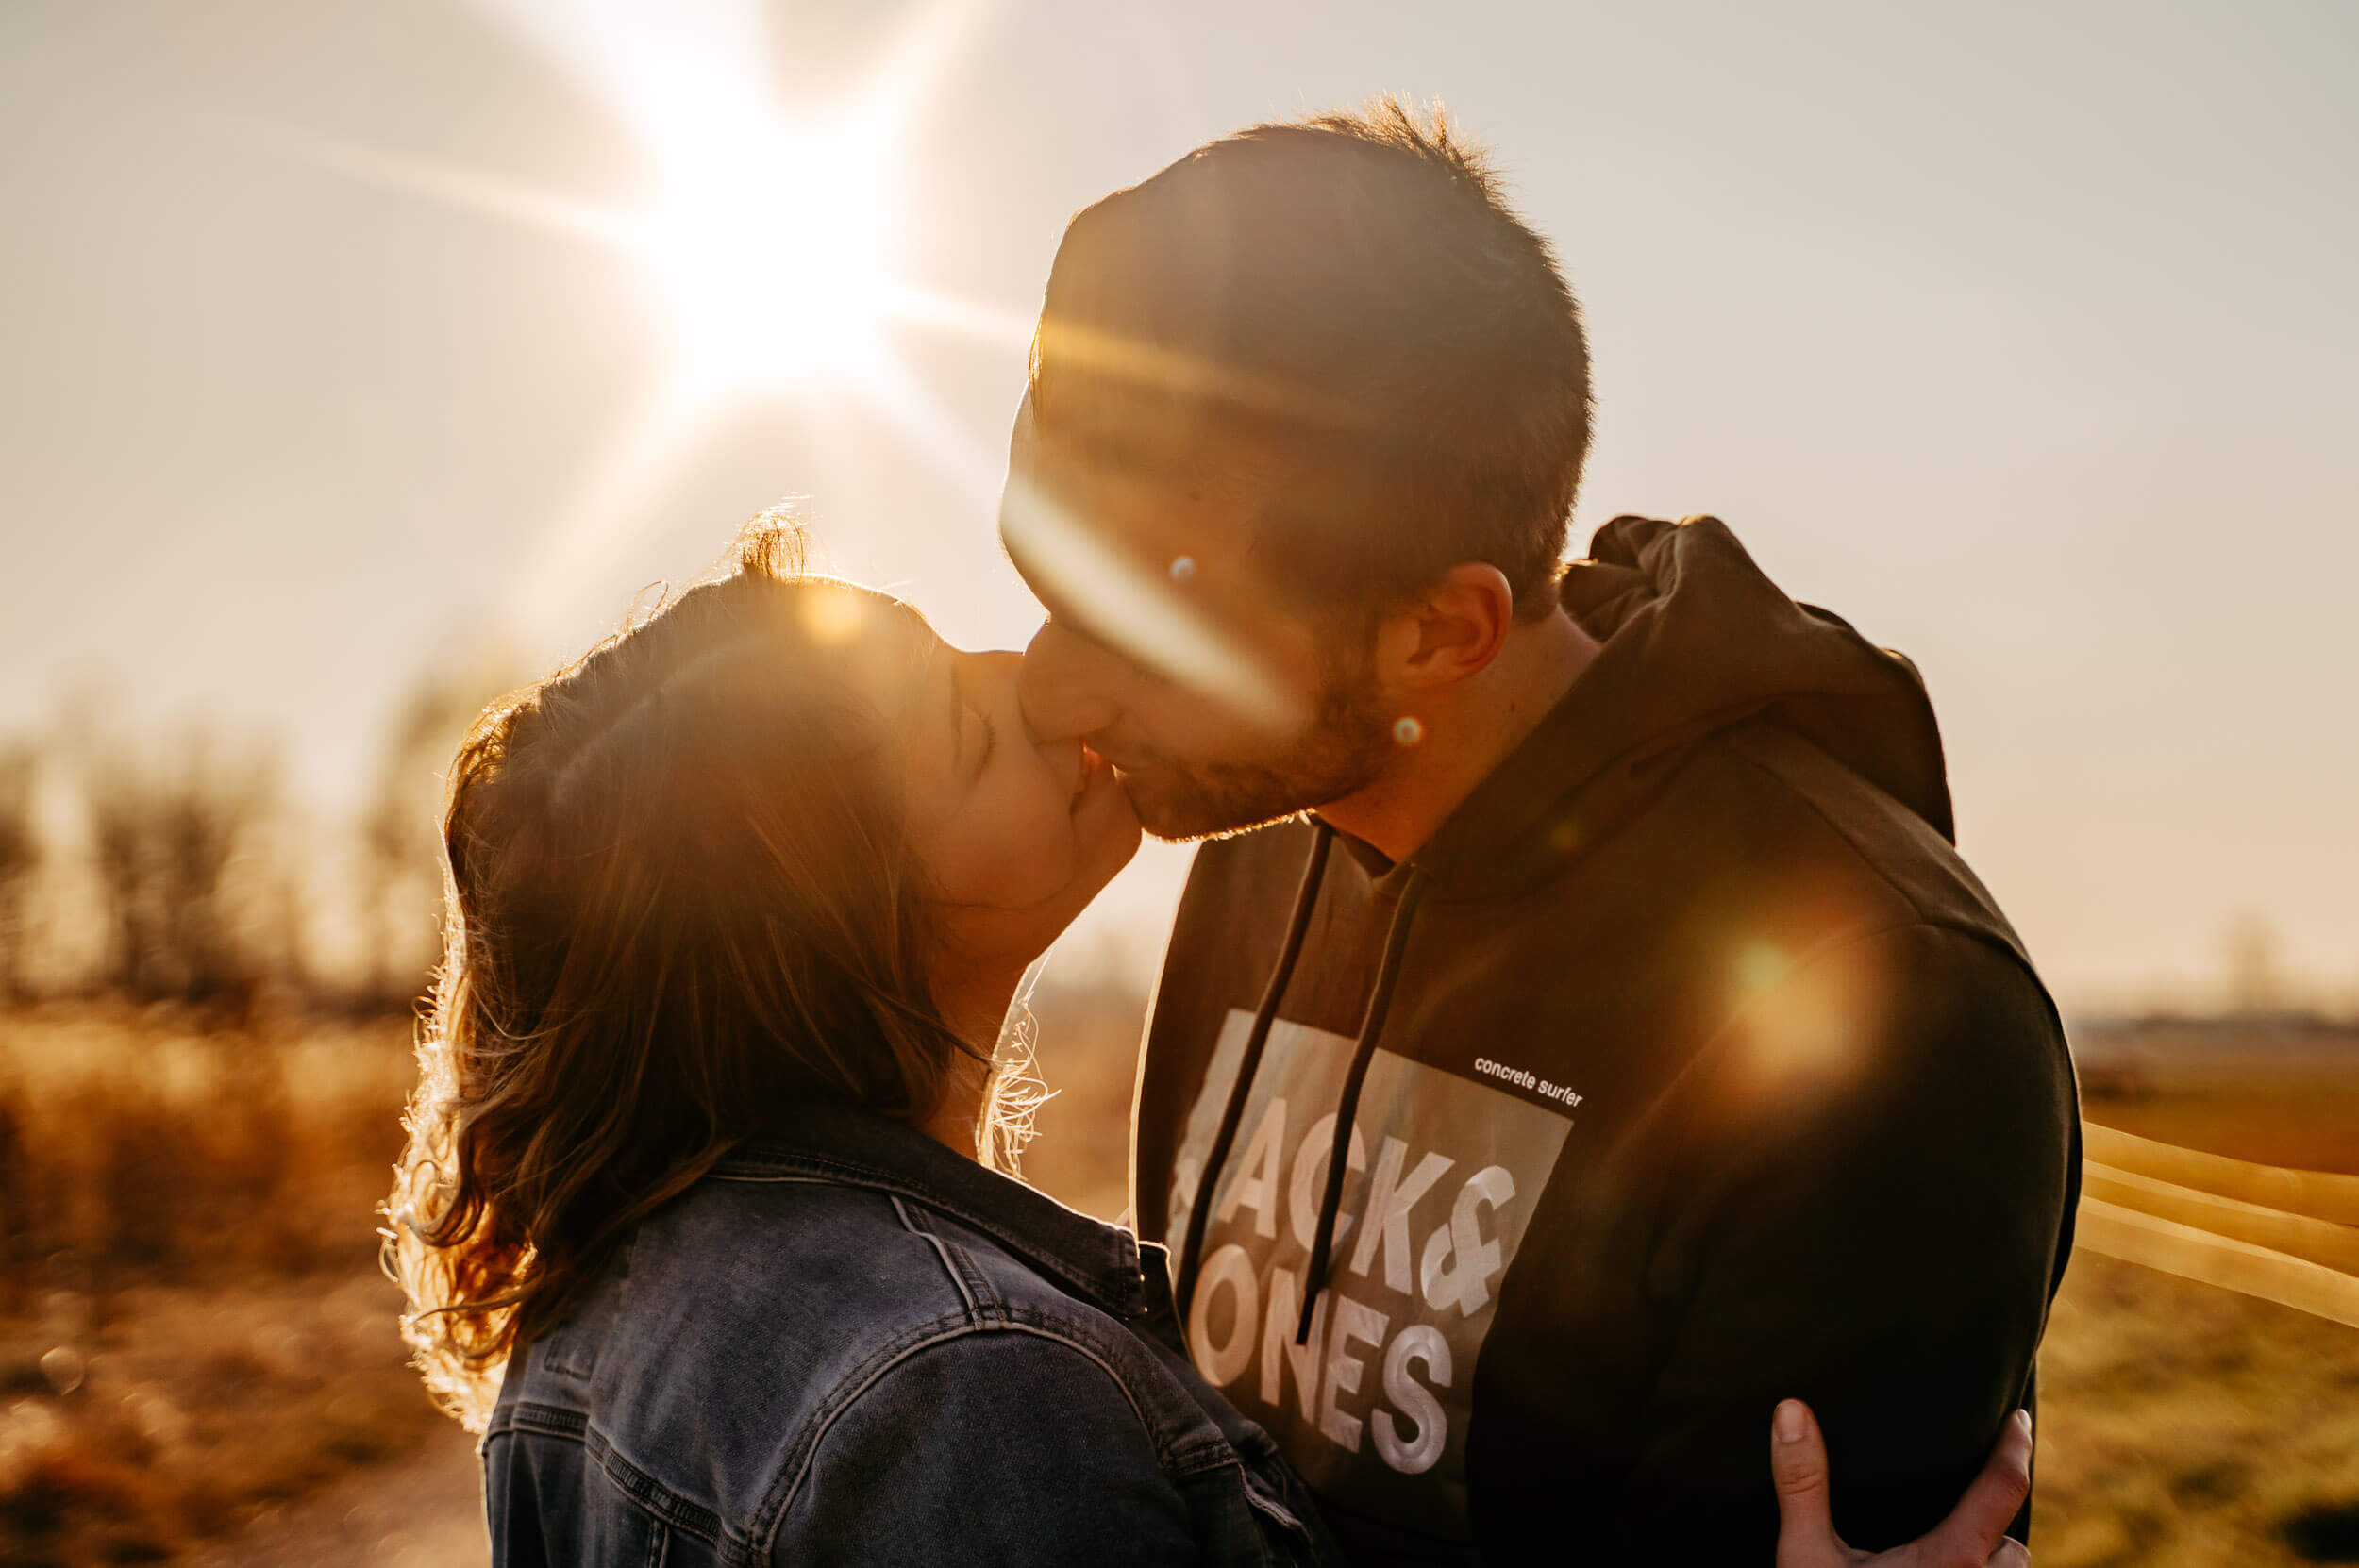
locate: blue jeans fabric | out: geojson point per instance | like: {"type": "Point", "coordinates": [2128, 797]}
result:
{"type": "Point", "coordinates": [849, 1344]}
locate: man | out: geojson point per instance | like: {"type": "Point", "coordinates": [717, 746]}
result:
{"type": "Point", "coordinates": [1618, 1044]}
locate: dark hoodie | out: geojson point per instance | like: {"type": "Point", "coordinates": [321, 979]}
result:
{"type": "Point", "coordinates": [1685, 1069]}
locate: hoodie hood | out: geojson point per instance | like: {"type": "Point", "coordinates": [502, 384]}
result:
{"type": "Point", "coordinates": [1694, 638]}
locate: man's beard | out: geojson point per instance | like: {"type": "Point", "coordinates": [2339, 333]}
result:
{"type": "Point", "coordinates": [1342, 750]}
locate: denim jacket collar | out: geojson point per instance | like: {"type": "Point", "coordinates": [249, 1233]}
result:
{"type": "Point", "coordinates": [1104, 1264]}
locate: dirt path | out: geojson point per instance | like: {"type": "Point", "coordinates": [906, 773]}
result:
{"type": "Point", "coordinates": [425, 1511]}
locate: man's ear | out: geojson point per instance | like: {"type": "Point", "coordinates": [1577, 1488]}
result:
{"type": "Point", "coordinates": [1448, 633]}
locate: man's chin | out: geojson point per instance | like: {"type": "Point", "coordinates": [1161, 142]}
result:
{"type": "Point", "coordinates": [1186, 813]}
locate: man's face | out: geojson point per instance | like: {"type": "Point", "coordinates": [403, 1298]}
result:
{"type": "Point", "coordinates": [1167, 652]}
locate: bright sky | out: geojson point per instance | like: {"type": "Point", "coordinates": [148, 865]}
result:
{"type": "Point", "coordinates": [2020, 334]}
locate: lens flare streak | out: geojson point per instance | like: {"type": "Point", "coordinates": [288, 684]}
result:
{"type": "Point", "coordinates": [446, 185]}
{"type": "Point", "coordinates": [1136, 612]}
{"type": "Point", "coordinates": [2203, 1255]}
{"type": "Point", "coordinates": [2286, 1236]}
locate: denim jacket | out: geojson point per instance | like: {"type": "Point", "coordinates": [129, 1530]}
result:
{"type": "Point", "coordinates": [849, 1344]}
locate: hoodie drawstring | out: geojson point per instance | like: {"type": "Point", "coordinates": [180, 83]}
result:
{"type": "Point", "coordinates": [1347, 1107]}
{"type": "Point", "coordinates": [1298, 925]}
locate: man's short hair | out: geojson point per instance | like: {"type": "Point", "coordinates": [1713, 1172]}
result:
{"type": "Point", "coordinates": [1347, 305]}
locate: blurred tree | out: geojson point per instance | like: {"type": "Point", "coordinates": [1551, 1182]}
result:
{"type": "Point", "coordinates": [2256, 982]}
{"type": "Point", "coordinates": [164, 830]}
{"type": "Point", "coordinates": [400, 831]}
{"type": "Point", "coordinates": [19, 857]}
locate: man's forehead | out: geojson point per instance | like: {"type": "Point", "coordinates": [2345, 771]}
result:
{"type": "Point", "coordinates": [1148, 564]}
{"type": "Point", "coordinates": [1151, 497]}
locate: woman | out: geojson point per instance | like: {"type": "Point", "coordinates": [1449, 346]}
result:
{"type": "Point", "coordinates": [705, 1220]}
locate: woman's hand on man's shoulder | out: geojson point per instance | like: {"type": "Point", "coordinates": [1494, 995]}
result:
{"type": "Point", "coordinates": [1974, 1535]}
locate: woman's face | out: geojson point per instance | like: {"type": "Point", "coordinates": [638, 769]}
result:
{"type": "Point", "coordinates": [1014, 835]}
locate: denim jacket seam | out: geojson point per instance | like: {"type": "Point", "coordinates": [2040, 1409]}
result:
{"type": "Point", "coordinates": [854, 1173]}
{"type": "Point", "coordinates": [1256, 1496]}
{"type": "Point", "coordinates": [983, 1300]}
{"type": "Point", "coordinates": [796, 1463]}
{"type": "Point", "coordinates": [1174, 1460]}
{"type": "Point", "coordinates": [530, 1416]}
{"type": "Point", "coordinates": [651, 1495]}
{"type": "Point", "coordinates": [526, 1418]}
{"type": "Point", "coordinates": [1174, 1455]}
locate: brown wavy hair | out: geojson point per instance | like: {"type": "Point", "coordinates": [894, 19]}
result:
{"type": "Point", "coordinates": [679, 896]}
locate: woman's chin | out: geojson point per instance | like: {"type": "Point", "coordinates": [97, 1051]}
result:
{"type": "Point", "coordinates": [1105, 823]}
{"type": "Point", "coordinates": [1107, 839]}
{"type": "Point", "coordinates": [1104, 852]}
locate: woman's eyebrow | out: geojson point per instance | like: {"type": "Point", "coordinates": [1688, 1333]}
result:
{"type": "Point", "coordinates": [931, 667]}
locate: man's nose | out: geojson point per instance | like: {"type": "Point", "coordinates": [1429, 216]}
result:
{"type": "Point", "coordinates": [1062, 687]}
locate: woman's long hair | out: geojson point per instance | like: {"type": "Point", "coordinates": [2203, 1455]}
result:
{"type": "Point", "coordinates": [680, 896]}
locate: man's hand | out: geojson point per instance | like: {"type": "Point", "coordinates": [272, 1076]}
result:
{"type": "Point", "coordinates": [1973, 1536]}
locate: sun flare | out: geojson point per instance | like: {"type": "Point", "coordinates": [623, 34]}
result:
{"type": "Point", "coordinates": [766, 238]}
{"type": "Point", "coordinates": [770, 246]}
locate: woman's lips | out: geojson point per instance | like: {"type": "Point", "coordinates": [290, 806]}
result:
{"type": "Point", "coordinates": [1094, 770]}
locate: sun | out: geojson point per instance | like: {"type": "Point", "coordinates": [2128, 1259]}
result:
{"type": "Point", "coordinates": [766, 236]}
{"type": "Point", "coordinates": [769, 246]}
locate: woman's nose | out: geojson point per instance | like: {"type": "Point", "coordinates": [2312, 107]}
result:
{"type": "Point", "coordinates": [1063, 699]}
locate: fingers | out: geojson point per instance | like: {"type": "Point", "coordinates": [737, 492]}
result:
{"type": "Point", "coordinates": [1798, 1464]}
{"type": "Point", "coordinates": [2011, 1554]}
{"type": "Point", "coordinates": [1975, 1528]}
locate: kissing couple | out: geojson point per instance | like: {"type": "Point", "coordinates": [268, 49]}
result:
{"type": "Point", "coordinates": [1590, 1112]}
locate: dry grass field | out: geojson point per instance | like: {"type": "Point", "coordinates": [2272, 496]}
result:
{"type": "Point", "coordinates": [193, 1334]}
{"type": "Point", "coordinates": [193, 1339]}
{"type": "Point", "coordinates": [2182, 1425]}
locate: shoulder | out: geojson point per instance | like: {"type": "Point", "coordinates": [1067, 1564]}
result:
{"type": "Point", "coordinates": [1032, 1429]}
{"type": "Point", "coordinates": [1791, 804]}
{"type": "Point", "coordinates": [1913, 1047]}
{"type": "Point", "coordinates": [1020, 1378]}
{"type": "Point", "coordinates": [1811, 918]}
{"type": "Point", "coordinates": [1875, 1000]}
{"type": "Point", "coordinates": [740, 1254]}
{"type": "Point", "coordinates": [992, 1446]}
{"type": "Point", "coordinates": [745, 1284]}
{"type": "Point", "coordinates": [1019, 1315]}
{"type": "Point", "coordinates": [1890, 1116]}
{"type": "Point", "coordinates": [735, 1320]}
{"type": "Point", "coordinates": [844, 1289]}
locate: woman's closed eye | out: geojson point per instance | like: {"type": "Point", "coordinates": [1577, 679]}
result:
{"type": "Point", "coordinates": [973, 735]}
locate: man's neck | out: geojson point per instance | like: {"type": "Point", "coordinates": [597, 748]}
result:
{"type": "Point", "coordinates": [1469, 734]}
